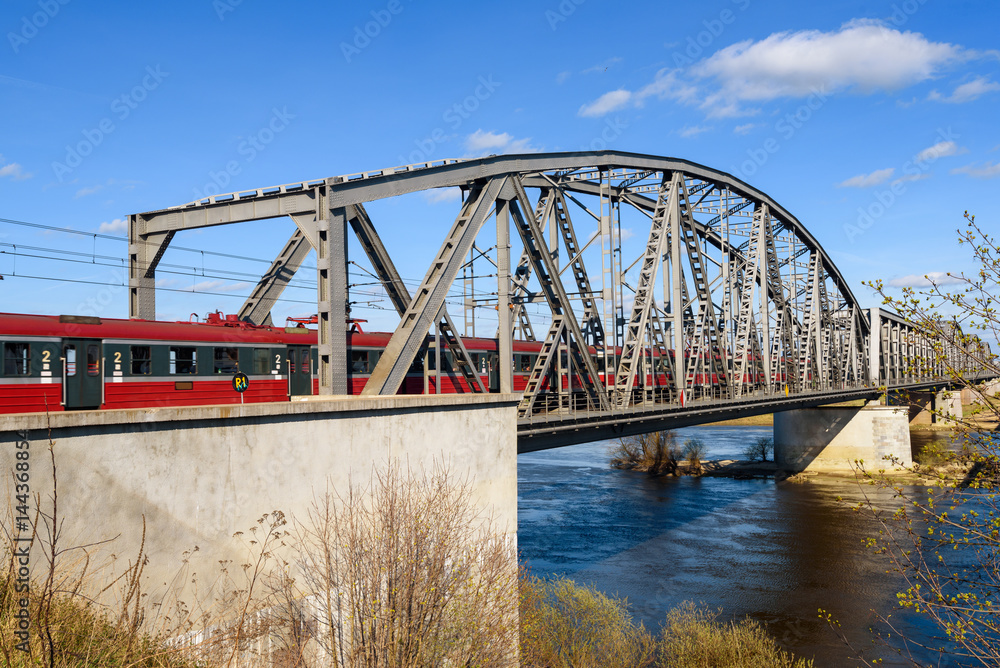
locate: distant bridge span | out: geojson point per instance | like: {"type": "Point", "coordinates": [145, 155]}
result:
{"type": "Point", "coordinates": [723, 303]}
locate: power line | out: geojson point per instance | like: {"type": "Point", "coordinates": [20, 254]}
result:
{"type": "Point", "coordinates": [112, 237]}
{"type": "Point", "coordinates": [122, 285]}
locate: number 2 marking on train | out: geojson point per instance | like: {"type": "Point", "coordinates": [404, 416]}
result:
{"type": "Point", "coordinates": [46, 354]}
{"type": "Point", "coordinates": [277, 361]}
{"type": "Point", "coordinates": [118, 358]}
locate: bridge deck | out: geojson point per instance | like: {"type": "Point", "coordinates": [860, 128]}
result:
{"type": "Point", "coordinates": [557, 429]}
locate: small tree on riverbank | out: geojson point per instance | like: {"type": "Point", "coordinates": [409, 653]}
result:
{"type": "Point", "coordinates": [656, 453]}
{"type": "Point", "coordinates": [944, 541]}
{"type": "Point", "coordinates": [759, 449]}
{"type": "Point", "coordinates": [694, 452]}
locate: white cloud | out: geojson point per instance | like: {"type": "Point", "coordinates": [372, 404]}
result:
{"type": "Point", "coordinates": [914, 281]}
{"type": "Point", "coordinates": [83, 192]}
{"type": "Point", "coordinates": [868, 180]}
{"type": "Point", "coordinates": [942, 149]}
{"type": "Point", "coordinates": [862, 55]}
{"type": "Point", "coordinates": [666, 85]}
{"type": "Point", "coordinates": [562, 77]}
{"type": "Point", "coordinates": [967, 92]}
{"type": "Point", "coordinates": [216, 286]}
{"type": "Point", "coordinates": [439, 195]}
{"type": "Point", "coordinates": [912, 177]}
{"type": "Point", "coordinates": [627, 233]}
{"type": "Point", "coordinates": [481, 143]}
{"type": "Point", "coordinates": [484, 141]}
{"type": "Point", "coordinates": [13, 170]}
{"type": "Point", "coordinates": [693, 130]}
{"type": "Point", "coordinates": [987, 170]}
{"type": "Point", "coordinates": [605, 104]}
{"type": "Point", "coordinates": [116, 226]}
{"type": "Point", "coordinates": [745, 128]}
{"type": "Point", "coordinates": [602, 67]}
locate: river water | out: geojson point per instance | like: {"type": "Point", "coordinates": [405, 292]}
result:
{"type": "Point", "coordinates": [776, 552]}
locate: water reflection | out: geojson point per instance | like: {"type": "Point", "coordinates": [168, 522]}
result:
{"type": "Point", "coordinates": [776, 552]}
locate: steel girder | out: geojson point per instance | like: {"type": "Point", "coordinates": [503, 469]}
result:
{"type": "Point", "coordinates": [635, 328]}
{"type": "Point", "coordinates": [555, 295]}
{"type": "Point", "coordinates": [399, 295]}
{"type": "Point", "coordinates": [257, 308]}
{"type": "Point", "coordinates": [761, 335]}
{"type": "Point", "coordinates": [428, 301]}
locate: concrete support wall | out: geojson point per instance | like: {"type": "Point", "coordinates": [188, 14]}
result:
{"type": "Point", "coordinates": [832, 438]}
{"type": "Point", "coordinates": [919, 404]}
{"type": "Point", "coordinates": [199, 475]}
{"type": "Point", "coordinates": [948, 404]}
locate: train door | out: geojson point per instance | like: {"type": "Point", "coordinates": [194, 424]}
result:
{"type": "Point", "coordinates": [493, 365]}
{"type": "Point", "coordinates": [83, 373]}
{"type": "Point", "coordinates": [299, 371]}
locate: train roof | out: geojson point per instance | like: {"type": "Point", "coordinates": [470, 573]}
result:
{"type": "Point", "coordinates": [88, 327]}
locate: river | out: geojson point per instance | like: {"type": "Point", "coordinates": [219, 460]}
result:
{"type": "Point", "coordinates": [776, 552]}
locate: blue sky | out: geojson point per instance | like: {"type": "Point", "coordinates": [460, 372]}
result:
{"type": "Point", "coordinates": [873, 122]}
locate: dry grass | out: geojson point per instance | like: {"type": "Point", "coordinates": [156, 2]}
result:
{"type": "Point", "coordinates": [565, 625]}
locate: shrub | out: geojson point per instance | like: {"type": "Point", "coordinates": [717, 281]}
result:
{"type": "Point", "coordinates": [759, 449]}
{"type": "Point", "coordinates": [694, 451]}
{"type": "Point", "coordinates": [656, 452]}
{"type": "Point", "coordinates": [565, 625]}
{"type": "Point", "coordinates": [408, 573]}
{"type": "Point", "coordinates": [694, 638]}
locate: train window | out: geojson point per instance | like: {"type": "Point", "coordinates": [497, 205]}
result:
{"type": "Point", "coordinates": [226, 360]}
{"type": "Point", "coordinates": [16, 359]}
{"type": "Point", "coordinates": [305, 367]}
{"type": "Point", "coordinates": [418, 363]}
{"type": "Point", "coordinates": [359, 361]}
{"type": "Point", "coordinates": [93, 360]}
{"type": "Point", "coordinates": [69, 352]}
{"type": "Point", "coordinates": [183, 360]}
{"type": "Point", "coordinates": [261, 361]}
{"type": "Point", "coordinates": [142, 360]}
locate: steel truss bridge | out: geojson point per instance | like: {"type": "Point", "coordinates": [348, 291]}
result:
{"type": "Point", "coordinates": [730, 294]}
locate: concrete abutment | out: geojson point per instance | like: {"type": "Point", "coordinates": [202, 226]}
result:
{"type": "Point", "coordinates": [833, 438]}
{"type": "Point", "coordinates": [198, 475]}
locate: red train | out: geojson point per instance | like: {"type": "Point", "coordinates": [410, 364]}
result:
{"type": "Point", "coordinates": [79, 362]}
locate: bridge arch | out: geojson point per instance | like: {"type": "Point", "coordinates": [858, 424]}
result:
{"type": "Point", "coordinates": [730, 294]}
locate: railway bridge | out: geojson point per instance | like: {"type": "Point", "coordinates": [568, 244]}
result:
{"type": "Point", "coordinates": [654, 293]}
{"type": "Point", "coordinates": [662, 292]}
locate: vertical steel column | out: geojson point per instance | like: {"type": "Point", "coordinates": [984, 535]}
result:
{"type": "Point", "coordinates": [677, 305]}
{"type": "Point", "coordinates": [765, 310]}
{"type": "Point", "coordinates": [141, 298]}
{"type": "Point", "coordinates": [874, 345]}
{"type": "Point", "coordinates": [331, 275]}
{"type": "Point", "coordinates": [142, 267]}
{"type": "Point", "coordinates": [505, 331]}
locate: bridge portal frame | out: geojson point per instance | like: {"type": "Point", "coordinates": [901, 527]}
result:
{"type": "Point", "coordinates": [788, 325]}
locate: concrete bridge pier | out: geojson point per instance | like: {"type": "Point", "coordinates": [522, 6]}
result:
{"type": "Point", "coordinates": [948, 403]}
{"type": "Point", "coordinates": [930, 407]}
{"type": "Point", "coordinates": [834, 438]}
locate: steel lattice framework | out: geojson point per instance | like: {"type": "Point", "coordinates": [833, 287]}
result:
{"type": "Point", "coordinates": [730, 297]}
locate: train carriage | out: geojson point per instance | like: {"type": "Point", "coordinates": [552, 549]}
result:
{"type": "Point", "coordinates": [54, 363]}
